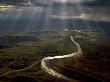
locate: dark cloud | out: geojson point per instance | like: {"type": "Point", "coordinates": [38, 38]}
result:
{"type": "Point", "coordinates": [97, 3]}
{"type": "Point", "coordinates": [59, 2]}
{"type": "Point", "coordinates": [5, 1]}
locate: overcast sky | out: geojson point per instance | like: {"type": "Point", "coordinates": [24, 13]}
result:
{"type": "Point", "coordinates": [95, 13]}
{"type": "Point", "coordinates": [61, 1]}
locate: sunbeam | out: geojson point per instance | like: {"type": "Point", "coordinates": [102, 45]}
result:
{"type": "Point", "coordinates": [46, 20]}
{"type": "Point", "coordinates": [7, 15]}
{"type": "Point", "coordinates": [83, 15]}
{"type": "Point", "coordinates": [63, 12]}
{"type": "Point", "coordinates": [33, 18]}
{"type": "Point", "coordinates": [96, 23]}
{"type": "Point", "coordinates": [16, 17]}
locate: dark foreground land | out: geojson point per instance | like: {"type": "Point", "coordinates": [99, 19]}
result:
{"type": "Point", "coordinates": [20, 50]}
{"type": "Point", "coordinates": [94, 65]}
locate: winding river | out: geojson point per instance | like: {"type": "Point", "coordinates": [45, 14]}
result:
{"type": "Point", "coordinates": [55, 73]}
{"type": "Point", "coordinates": [50, 71]}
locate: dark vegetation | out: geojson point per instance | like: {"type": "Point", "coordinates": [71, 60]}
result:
{"type": "Point", "coordinates": [23, 79]}
{"type": "Point", "coordinates": [93, 67]}
{"type": "Point", "coordinates": [68, 68]}
{"type": "Point", "coordinates": [96, 51]}
{"type": "Point", "coordinates": [6, 41]}
{"type": "Point", "coordinates": [97, 58]}
{"type": "Point", "coordinates": [26, 49]}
